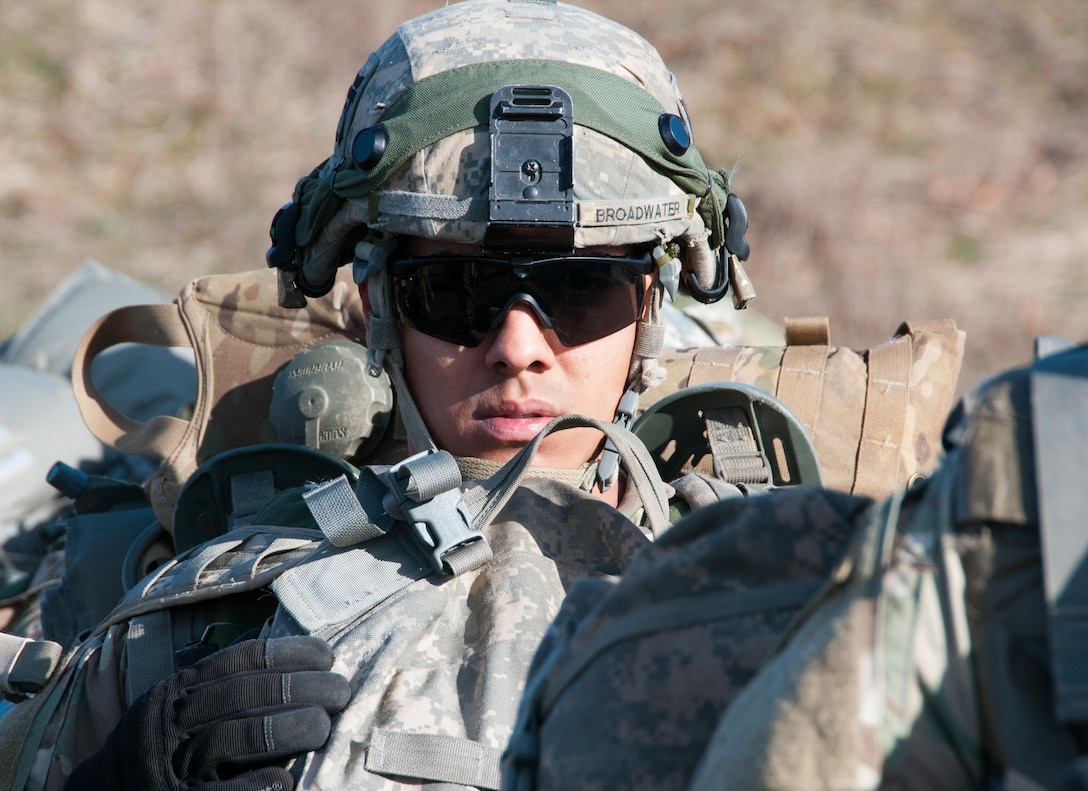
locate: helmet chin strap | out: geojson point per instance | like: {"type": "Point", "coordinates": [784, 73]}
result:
{"type": "Point", "coordinates": [383, 338]}
{"type": "Point", "coordinates": [645, 373]}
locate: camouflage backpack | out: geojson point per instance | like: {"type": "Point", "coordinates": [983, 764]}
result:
{"type": "Point", "coordinates": [943, 650]}
{"type": "Point", "coordinates": [963, 647]}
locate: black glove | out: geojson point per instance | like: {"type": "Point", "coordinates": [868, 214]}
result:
{"type": "Point", "coordinates": [231, 721]}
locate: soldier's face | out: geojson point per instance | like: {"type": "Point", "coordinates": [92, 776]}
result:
{"type": "Point", "coordinates": [489, 400]}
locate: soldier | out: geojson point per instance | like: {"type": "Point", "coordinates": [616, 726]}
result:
{"type": "Point", "coordinates": [515, 185]}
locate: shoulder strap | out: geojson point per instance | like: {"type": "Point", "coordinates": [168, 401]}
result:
{"type": "Point", "coordinates": [365, 561]}
{"type": "Point", "coordinates": [1059, 396]}
{"type": "Point", "coordinates": [26, 665]}
{"type": "Point", "coordinates": [155, 325]}
{"type": "Point", "coordinates": [258, 555]}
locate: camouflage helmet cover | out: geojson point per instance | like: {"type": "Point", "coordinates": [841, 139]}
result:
{"type": "Point", "coordinates": [426, 91]}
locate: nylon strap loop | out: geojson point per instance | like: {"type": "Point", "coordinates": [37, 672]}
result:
{"type": "Point", "coordinates": [887, 396]}
{"type": "Point", "coordinates": [436, 757]}
{"type": "Point", "coordinates": [733, 444]}
{"type": "Point", "coordinates": [339, 513]}
{"type": "Point", "coordinates": [26, 665]}
{"type": "Point", "coordinates": [713, 365]}
{"type": "Point", "coordinates": [154, 325]}
{"type": "Point", "coordinates": [800, 382]}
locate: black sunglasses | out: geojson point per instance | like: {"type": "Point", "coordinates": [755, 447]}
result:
{"type": "Point", "coordinates": [459, 299]}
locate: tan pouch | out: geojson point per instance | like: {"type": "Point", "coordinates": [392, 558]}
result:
{"type": "Point", "coordinates": [875, 415]}
{"type": "Point", "coordinates": [240, 339]}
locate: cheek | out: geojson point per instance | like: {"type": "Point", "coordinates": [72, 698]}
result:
{"type": "Point", "coordinates": [440, 380]}
{"type": "Point", "coordinates": [598, 373]}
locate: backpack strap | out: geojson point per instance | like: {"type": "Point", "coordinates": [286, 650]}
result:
{"type": "Point", "coordinates": [154, 325]}
{"type": "Point", "coordinates": [26, 665]}
{"type": "Point", "coordinates": [1059, 397]}
{"type": "Point", "coordinates": [257, 555]}
{"type": "Point", "coordinates": [403, 523]}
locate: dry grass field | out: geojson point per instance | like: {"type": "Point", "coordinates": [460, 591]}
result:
{"type": "Point", "coordinates": [899, 159]}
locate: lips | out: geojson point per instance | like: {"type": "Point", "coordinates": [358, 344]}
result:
{"type": "Point", "coordinates": [516, 422]}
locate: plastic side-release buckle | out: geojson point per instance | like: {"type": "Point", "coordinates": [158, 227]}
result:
{"type": "Point", "coordinates": [424, 492]}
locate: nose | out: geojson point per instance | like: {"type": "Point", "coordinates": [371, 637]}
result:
{"type": "Point", "coordinates": [521, 342]}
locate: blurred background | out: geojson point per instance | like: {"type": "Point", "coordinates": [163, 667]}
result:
{"type": "Point", "coordinates": [900, 159]}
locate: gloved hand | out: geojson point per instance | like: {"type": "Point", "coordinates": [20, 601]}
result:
{"type": "Point", "coordinates": [231, 721]}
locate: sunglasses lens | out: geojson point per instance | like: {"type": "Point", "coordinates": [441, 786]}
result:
{"type": "Point", "coordinates": [591, 301]}
{"type": "Point", "coordinates": [460, 300]}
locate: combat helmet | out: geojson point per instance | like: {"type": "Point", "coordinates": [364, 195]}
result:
{"type": "Point", "coordinates": [499, 121]}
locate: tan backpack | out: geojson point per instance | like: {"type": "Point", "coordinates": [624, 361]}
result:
{"type": "Point", "coordinates": [240, 339]}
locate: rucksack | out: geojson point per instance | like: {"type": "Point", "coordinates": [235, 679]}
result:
{"type": "Point", "coordinates": [875, 415]}
{"type": "Point", "coordinates": [632, 677]}
{"type": "Point", "coordinates": [943, 650]}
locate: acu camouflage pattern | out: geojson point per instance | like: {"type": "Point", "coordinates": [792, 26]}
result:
{"type": "Point", "coordinates": [840, 398]}
{"type": "Point", "coordinates": [630, 681]}
{"type": "Point", "coordinates": [874, 687]}
{"type": "Point", "coordinates": [953, 685]}
{"type": "Point", "coordinates": [437, 669]}
{"type": "Point", "coordinates": [442, 661]}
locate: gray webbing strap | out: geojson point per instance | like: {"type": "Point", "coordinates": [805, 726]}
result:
{"type": "Point", "coordinates": [733, 445]}
{"type": "Point", "coordinates": [429, 756]}
{"type": "Point", "coordinates": [249, 492]}
{"type": "Point", "coordinates": [642, 472]}
{"type": "Point", "coordinates": [150, 646]}
{"type": "Point", "coordinates": [149, 641]}
{"type": "Point", "coordinates": [339, 513]}
{"type": "Point", "coordinates": [1059, 395]}
{"type": "Point", "coordinates": [25, 664]}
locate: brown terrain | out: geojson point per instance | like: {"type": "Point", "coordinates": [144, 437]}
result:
{"type": "Point", "coordinates": [899, 159]}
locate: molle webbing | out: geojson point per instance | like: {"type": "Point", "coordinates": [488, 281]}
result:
{"type": "Point", "coordinates": [801, 380]}
{"type": "Point", "coordinates": [442, 104]}
{"type": "Point", "coordinates": [874, 415]}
